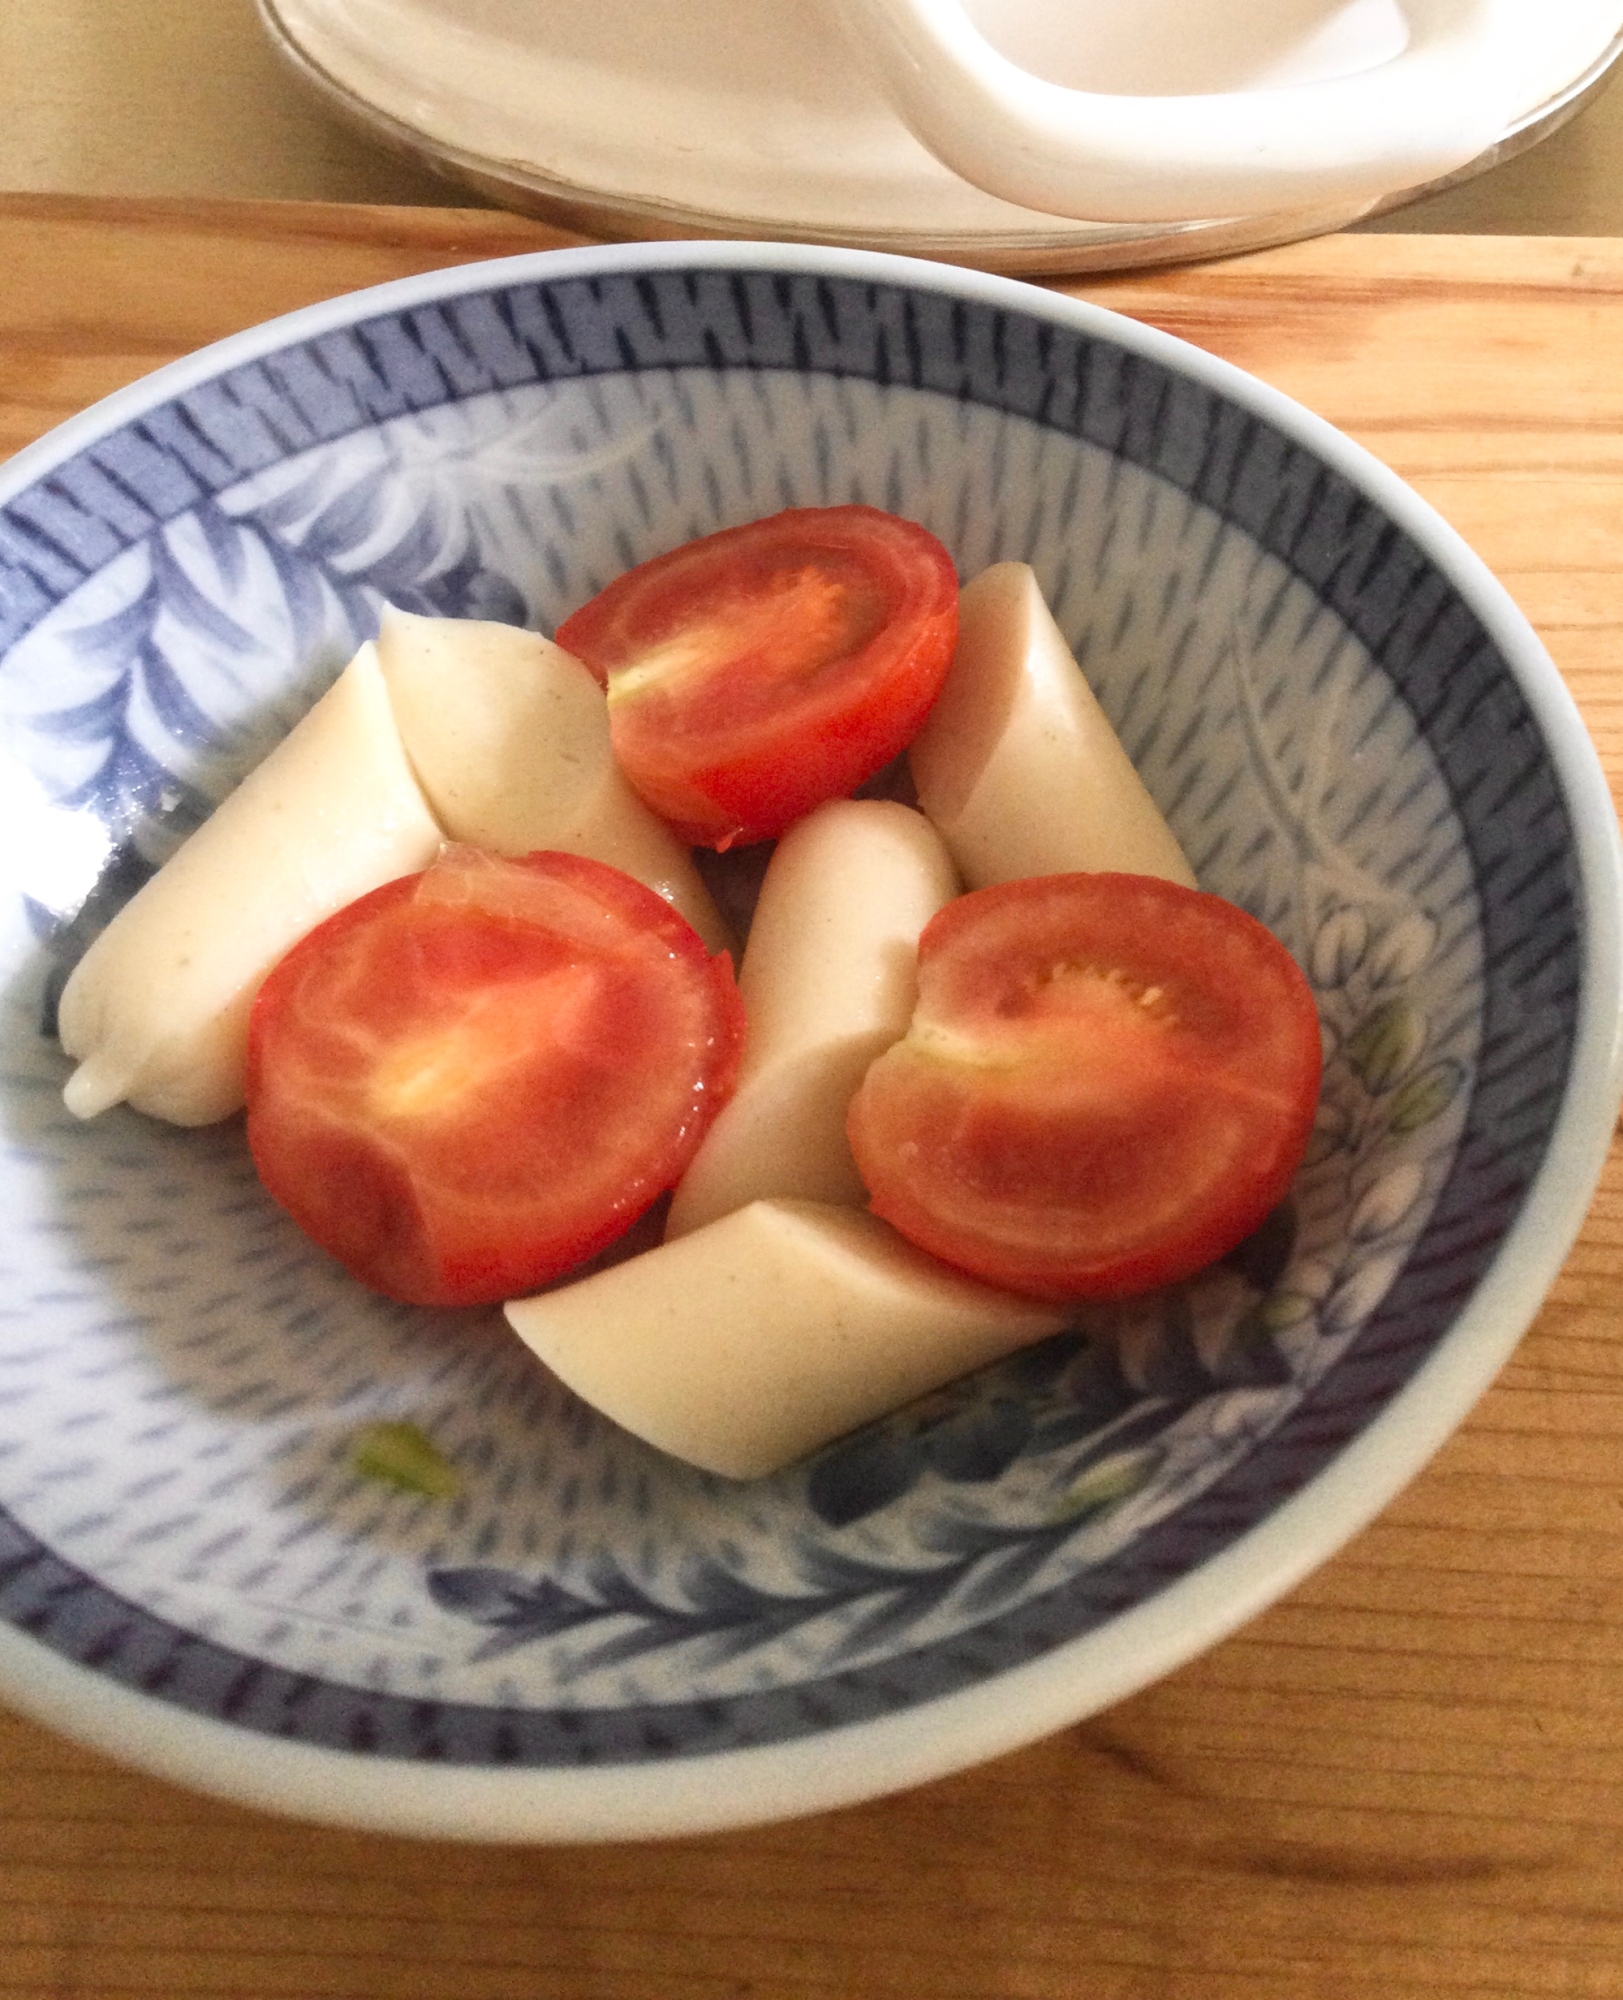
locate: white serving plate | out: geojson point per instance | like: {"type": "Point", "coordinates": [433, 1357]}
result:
{"type": "Point", "coordinates": [634, 123]}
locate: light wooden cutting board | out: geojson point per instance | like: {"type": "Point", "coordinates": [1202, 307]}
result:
{"type": "Point", "coordinates": [1405, 1782]}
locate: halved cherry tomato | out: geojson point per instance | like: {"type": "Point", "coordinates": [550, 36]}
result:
{"type": "Point", "coordinates": [472, 1078]}
{"type": "Point", "coordinates": [1108, 1082]}
{"type": "Point", "coordinates": [756, 672]}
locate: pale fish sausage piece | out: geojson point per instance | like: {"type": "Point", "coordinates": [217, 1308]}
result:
{"type": "Point", "coordinates": [509, 737]}
{"type": "Point", "coordinates": [157, 1009]}
{"type": "Point", "coordinates": [1017, 765]}
{"type": "Point", "coordinates": [828, 981]}
{"type": "Point", "coordinates": [756, 1339]}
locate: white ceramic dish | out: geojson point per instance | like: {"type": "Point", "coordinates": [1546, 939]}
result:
{"type": "Point", "coordinates": [626, 121]}
{"type": "Point", "coordinates": [1352, 731]}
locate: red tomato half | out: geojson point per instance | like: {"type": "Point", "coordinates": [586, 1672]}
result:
{"type": "Point", "coordinates": [472, 1078]}
{"type": "Point", "coordinates": [757, 672]}
{"type": "Point", "coordinates": [1108, 1082]}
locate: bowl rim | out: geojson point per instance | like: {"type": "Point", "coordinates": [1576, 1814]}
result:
{"type": "Point", "coordinates": [711, 1792]}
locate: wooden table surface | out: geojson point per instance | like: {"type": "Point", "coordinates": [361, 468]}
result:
{"type": "Point", "coordinates": [1405, 1780]}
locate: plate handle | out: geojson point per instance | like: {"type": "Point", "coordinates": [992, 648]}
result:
{"type": "Point", "coordinates": [1446, 97]}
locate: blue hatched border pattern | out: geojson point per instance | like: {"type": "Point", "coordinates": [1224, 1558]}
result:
{"type": "Point", "coordinates": [1317, 522]}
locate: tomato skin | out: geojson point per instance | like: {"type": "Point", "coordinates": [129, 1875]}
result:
{"type": "Point", "coordinates": [468, 1081]}
{"type": "Point", "coordinates": [1109, 1081]}
{"type": "Point", "coordinates": [756, 672]}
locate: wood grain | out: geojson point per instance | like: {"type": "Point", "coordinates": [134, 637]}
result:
{"type": "Point", "coordinates": [1405, 1782]}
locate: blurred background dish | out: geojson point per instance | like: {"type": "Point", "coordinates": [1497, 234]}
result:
{"type": "Point", "coordinates": [628, 122]}
{"type": "Point", "coordinates": [187, 99]}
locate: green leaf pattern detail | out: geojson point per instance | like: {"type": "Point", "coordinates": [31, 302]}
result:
{"type": "Point", "coordinates": [400, 1455]}
{"type": "Point", "coordinates": [1426, 1096]}
{"type": "Point", "coordinates": [1109, 1481]}
{"type": "Point", "coordinates": [1396, 1079]}
{"type": "Point", "coordinates": [1382, 1135]}
{"type": "Point", "coordinates": [1386, 1045]}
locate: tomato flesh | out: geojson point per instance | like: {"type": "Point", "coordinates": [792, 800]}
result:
{"type": "Point", "coordinates": [754, 673]}
{"type": "Point", "coordinates": [1108, 1082]}
{"type": "Point", "coordinates": [473, 1078]}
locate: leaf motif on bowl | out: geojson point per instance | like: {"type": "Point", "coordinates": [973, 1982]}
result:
{"type": "Point", "coordinates": [1386, 1045]}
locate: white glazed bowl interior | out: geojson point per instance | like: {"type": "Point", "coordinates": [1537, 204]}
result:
{"type": "Point", "coordinates": [1350, 728]}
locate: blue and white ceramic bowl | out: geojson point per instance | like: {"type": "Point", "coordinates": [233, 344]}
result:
{"type": "Point", "coordinates": [267, 1534]}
